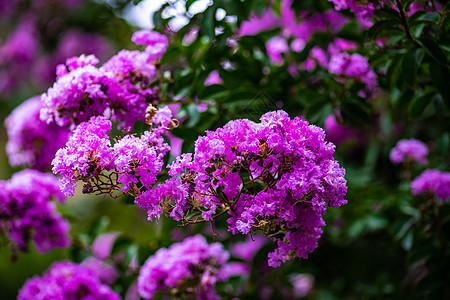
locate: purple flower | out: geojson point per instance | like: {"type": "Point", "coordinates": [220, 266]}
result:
{"type": "Point", "coordinates": [302, 283]}
{"type": "Point", "coordinates": [26, 212]}
{"type": "Point", "coordinates": [256, 23]}
{"type": "Point", "coordinates": [353, 65]}
{"type": "Point", "coordinates": [409, 150]}
{"type": "Point", "coordinates": [279, 172]}
{"type": "Point", "coordinates": [105, 272]}
{"type": "Point", "coordinates": [433, 181]}
{"type": "Point", "coordinates": [213, 78]}
{"type": "Point", "coordinates": [32, 143]}
{"type": "Point", "coordinates": [247, 250]}
{"type": "Point", "coordinates": [136, 160]}
{"type": "Point", "coordinates": [362, 9]}
{"type": "Point", "coordinates": [88, 151]}
{"type": "Point", "coordinates": [191, 266]}
{"type": "Point", "coordinates": [275, 47]}
{"type": "Point", "coordinates": [17, 54]}
{"type": "Point", "coordinates": [66, 281]}
{"type": "Point", "coordinates": [156, 43]}
{"type": "Point", "coordinates": [75, 97]}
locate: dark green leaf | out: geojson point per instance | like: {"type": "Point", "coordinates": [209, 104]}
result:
{"type": "Point", "coordinates": [441, 79]}
{"type": "Point", "coordinates": [411, 64]}
{"type": "Point", "coordinates": [418, 105]}
{"type": "Point", "coordinates": [433, 17]}
{"type": "Point", "coordinates": [433, 49]}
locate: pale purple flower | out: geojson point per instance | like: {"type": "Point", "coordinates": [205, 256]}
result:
{"type": "Point", "coordinates": [26, 212]}
{"type": "Point", "coordinates": [256, 23]}
{"type": "Point", "coordinates": [31, 142]}
{"type": "Point", "coordinates": [66, 281]}
{"type": "Point", "coordinates": [88, 149]}
{"type": "Point", "coordinates": [290, 157]}
{"type": "Point", "coordinates": [246, 250]}
{"type": "Point", "coordinates": [302, 283]}
{"type": "Point", "coordinates": [105, 272]}
{"type": "Point", "coordinates": [191, 266]}
{"type": "Point", "coordinates": [213, 78]}
{"type": "Point", "coordinates": [276, 46]}
{"type": "Point", "coordinates": [409, 150]}
{"type": "Point", "coordinates": [433, 181]}
{"type": "Point", "coordinates": [156, 43]}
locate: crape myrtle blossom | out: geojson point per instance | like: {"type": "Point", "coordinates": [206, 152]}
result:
{"type": "Point", "coordinates": [17, 54]}
{"type": "Point", "coordinates": [31, 142]}
{"type": "Point", "coordinates": [134, 162]}
{"type": "Point", "coordinates": [277, 177]}
{"type": "Point", "coordinates": [364, 10]}
{"type": "Point", "coordinates": [432, 181]}
{"type": "Point", "coordinates": [191, 267]}
{"type": "Point", "coordinates": [26, 212]}
{"type": "Point", "coordinates": [353, 66]}
{"type": "Point", "coordinates": [409, 150]}
{"type": "Point", "coordinates": [120, 89]}
{"type": "Point", "coordinates": [67, 281]}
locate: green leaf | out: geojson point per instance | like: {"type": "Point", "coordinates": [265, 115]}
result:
{"type": "Point", "coordinates": [381, 26]}
{"type": "Point", "coordinates": [355, 111]}
{"type": "Point", "coordinates": [387, 13]}
{"type": "Point", "coordinates": [433, 49]}
{"type": "Point", "coordinates": [212, 91]}
{"type": "Point", "coordinates": [411, 64]}
{"type": "Point", "coordinates": [193, 115]}
{"type": "Point", "coordinates": [131, 252]}
{"type": "Point", "coordinates": [433, 17]}
{"type": "Point", "coordinates": [441, 79]}
{"type": "Point", "coordinates": [419, 104]}
{"type": "Point", "coordinates": [208, 23]}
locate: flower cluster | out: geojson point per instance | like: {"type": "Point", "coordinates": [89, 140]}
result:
{"type": "Point", "coordinates": [87, 153]}
{"type": "Point", "coordinates": [67, 281]}
{"type": "Point", "coordinates": [433, 181]}
{"type": "Point", "coordinates": [90, 157]}
{"type": "Point", "coordinates": [120, 89]}
{"type": "Point", "coordinates": [353, 65]}
{"type": "Point", "coordinates": [362, 9]}
{"type": "Point", "coordinates": [276, 177]}
{"type": "Point", "coordinates": [17, 54]}
{"type": "Point", "coordinates": [191, 267]}
{"type": "Point", "coordinates": [32, 142]}
{"type": "Point", "coordinates": [409, 150]}
{"type": "Point", "coordinates": [26, 212]}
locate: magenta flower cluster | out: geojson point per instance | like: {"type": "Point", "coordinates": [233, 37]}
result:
{"type": "Point", "coordinates": [353, 65]}
{"type": "Point", "coordinates": [364, 10]}
{"type": "Point", "coordinates": [191, 267]}
{"type": "Point", "coordinates": [120, 89]}
{"type": "Point", "coordinates": [409, 150]}
{"type": "Point", "coordinates": [277, 177]}
{"type": "Point", "coordinates": [27, 214]}
{"type": "Point", "coordinates": [67, 281]}
{"type": "Point", "coordinates": [32, 143]}
{"type": "Point", "coordinates": [432, 181]}
{"type": "Point", "coordinates": [88, 152]}
{"type": "Point", "coordinates": [89, 156]}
